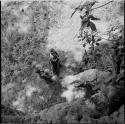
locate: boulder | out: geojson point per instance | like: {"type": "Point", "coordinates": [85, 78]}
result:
{"type": "Point", "coordinates": [91, 75]}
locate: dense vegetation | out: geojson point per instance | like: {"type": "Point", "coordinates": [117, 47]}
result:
{"type": "Point", "coordinates": [24, 33]}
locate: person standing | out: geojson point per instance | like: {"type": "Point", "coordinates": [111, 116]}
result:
{"type": "Point", "coordinates": [55, 63]}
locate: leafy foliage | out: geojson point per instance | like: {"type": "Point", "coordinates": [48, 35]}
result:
{"type": "Point", "coordinates": [22, 52]}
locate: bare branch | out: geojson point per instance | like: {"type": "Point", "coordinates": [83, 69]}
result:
{"type": "Point", "coordinates": [102, 5]}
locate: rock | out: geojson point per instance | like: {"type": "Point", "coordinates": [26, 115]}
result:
{"type": "Point", "coordinates": [89, 75]}
{"type": "Point", "coordinates": [54, 113]}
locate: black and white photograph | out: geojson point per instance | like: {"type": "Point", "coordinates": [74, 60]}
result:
{"type": "Point", "coordinates": [62, 61]}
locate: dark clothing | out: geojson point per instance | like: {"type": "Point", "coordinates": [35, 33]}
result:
{"type": "Point", "coordinates": [55, 62]}
{"type": "Point", "coordinates": [87, 18]}
{"type": "Point", "coordinates": [44, 75]}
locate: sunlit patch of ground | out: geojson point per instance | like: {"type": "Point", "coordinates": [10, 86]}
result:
{"type": "Point", "coordinates": [71, 93]}
{"type": "Point", "coordinates": [30, 89]}
{"type": "Point", "coordinates": [5, 88]}
{"type": "Point", "coordinates": [19, 102]}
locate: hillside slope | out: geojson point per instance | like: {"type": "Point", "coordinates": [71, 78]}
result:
{"type": "Point", "coordinates": [29, 29]}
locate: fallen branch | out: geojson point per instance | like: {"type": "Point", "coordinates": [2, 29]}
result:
{"type": "Point", "coordinates": [102, 5]}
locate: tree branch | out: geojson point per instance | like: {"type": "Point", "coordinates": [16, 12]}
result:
{"type": "Point", "coordinates": [102, 5]}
